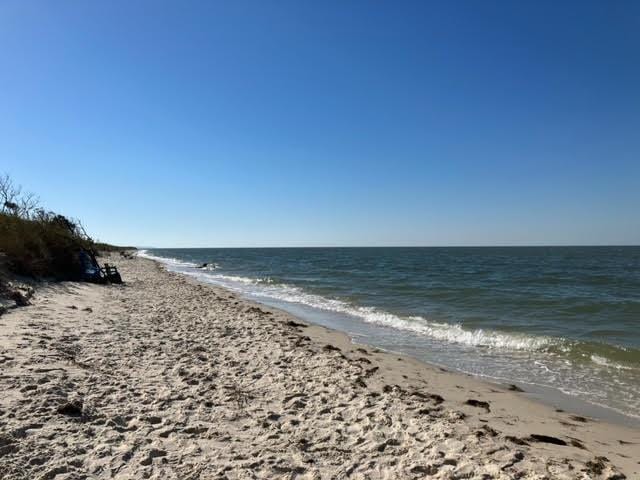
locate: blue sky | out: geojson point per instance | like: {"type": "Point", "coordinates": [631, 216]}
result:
{"type": "Point", "coordinates": [274, 123]}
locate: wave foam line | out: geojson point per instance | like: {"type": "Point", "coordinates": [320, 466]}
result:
{"type": "Point", "coordinates": [172, 262]}
{"type": "Point", "coordinates": [264, 287]}
{"type": "Point", "coordinates": [603, 362]}
{"type": "Point", "coordinates": [438, 331]}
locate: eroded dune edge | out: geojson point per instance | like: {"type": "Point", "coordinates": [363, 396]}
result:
{"type": "Point", "coordinates": [164, 378]}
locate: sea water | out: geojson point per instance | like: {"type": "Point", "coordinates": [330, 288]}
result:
{"type": "Point", "coordinates": [566, 318]}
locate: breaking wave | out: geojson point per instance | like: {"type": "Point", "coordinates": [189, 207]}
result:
{"type": "Point", "coordinates": [603, 373]}
{"type": "Point", "coordinates": [267, 288]}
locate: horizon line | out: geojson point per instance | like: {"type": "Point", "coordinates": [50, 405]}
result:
{"type": "Point", "coordinates": [405, 246]}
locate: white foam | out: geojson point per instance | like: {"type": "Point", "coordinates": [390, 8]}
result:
{"type": "Point", "coordinates": [171, 262]}
{"type": "Point", "coordinates": [264, 287]}
{"type": "Point", "coordinates": [210, 267]}
{"type": "Point", "coordinates": [438, 331]}
{"type": "Point", "coordinates": [537, 360]}
{"type": "Point", "coordinates": [598, 360]}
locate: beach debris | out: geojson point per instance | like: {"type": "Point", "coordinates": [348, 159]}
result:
{"type": "Point", "coordinates": [257, 310]}
{"type": "Point", "coordinates": [22, 297]}
{"type": "Point", "coordinates": [194, 430]}
{"type": "Point", "coordinates": [577, 443]}
{"type": "Point", "coordinates": [239, 395]}
{"type": "Point", "coordinates": [390, 442]}
{"type": "Point", "coordinates": [429, 411]}
{"type": "Point", "coordinates": [87, 309]}
{"type": "Point", "coordinates": [71, 409]}
{"type": "Point", "coordinates": [302, 340]}
{"type": "Point", "coordinates": [14, 295]}
{"type": "Point", "coordinates": [578, 418]}
{"type": "Point", "coordinates": [517, 457]}
{"type": "Point", "coordinates": [424, 469]}
{"type": "Point", "coordinates": [479, 404]}
{"type": "Point", "coordinates": [273, 417]}
{"type": "Point", "coordinates": [369, 372]}
{"type": "Point", "coordinates": [516, 440]}
{"type": "Point", "coordinates": [454, 415]}
{"type": "Point", "coordinates": [288, 398]}
{"type": "Point", "coordinates": [359, 382]}
{"type": "Point", "coordinates": [599, 465]}
{"type": "Point", "coordinates": [534, 437]}
{"type": "Point", "coordinates": [291, 323]}
{"type": "Point", "coordinates": [486, 430]}
{"type": "Point", "coordinates": [514, 388]}
{"type": "Point", "coordinates": [331, 348]}
{"type": "Point", "coordinates": [433, 397]}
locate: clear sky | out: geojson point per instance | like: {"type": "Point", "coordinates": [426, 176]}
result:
{"type": "Point", "coordinates": [276, 123]}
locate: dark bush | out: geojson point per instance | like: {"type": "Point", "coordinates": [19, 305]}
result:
{"type": "Point", "coordinates": [47, 245]}
{"type": "Point", "coordinates": [41, 244]}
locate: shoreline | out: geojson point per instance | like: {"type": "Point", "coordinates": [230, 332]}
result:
{"type": "Point", "coordinates": [549, 395]}
{"type": "Point", "coordinates": [554, 400]}
{"type": "Point", "coordinates": [177, 344]}
{"type": "Point", "coordinates": [546, 395]}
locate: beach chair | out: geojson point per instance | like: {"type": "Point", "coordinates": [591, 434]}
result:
{"type": "Point", "coordinates": [111, 274]}
{"type": "Point", "coordinates": [93, 272]}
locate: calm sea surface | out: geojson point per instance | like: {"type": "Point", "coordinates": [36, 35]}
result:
{"type": "Point", "coordinates": [561, 317]}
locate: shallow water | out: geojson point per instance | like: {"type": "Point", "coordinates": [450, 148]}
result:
{"type": "Point", "coordinates": [560, 317]}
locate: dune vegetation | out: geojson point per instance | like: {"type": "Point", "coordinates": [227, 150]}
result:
{"type": "Point", "coordinates": [36, 243]}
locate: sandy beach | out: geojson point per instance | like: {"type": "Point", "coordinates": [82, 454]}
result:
{"type": "Point", "coordinates": [165, 378]}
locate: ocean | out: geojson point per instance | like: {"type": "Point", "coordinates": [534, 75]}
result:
{"type": "Point", "coordinates": [559, 318]}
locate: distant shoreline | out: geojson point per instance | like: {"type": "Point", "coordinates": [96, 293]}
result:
{"type": "Point", "coordinates": [400, 246]}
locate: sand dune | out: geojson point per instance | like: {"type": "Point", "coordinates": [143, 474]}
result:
{"type": "Point", "coordinates": [163, 378]}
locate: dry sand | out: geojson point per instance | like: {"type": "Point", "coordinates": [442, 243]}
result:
{"type": "Point", "coordinates": [167, 379]}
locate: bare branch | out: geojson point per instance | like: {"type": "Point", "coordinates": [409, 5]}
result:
{"type": "Point", "coordinates": [28, 204]}
{"type": "Point", "coordinates": [14, 201]}
{"type": "Point", "coordinates": [82, 231]}
{"type": "Point", "coordinates": [9, 193]}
